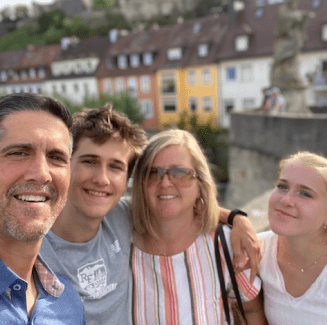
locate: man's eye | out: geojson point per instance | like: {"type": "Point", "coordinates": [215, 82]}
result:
{"type": "Point", "coordinates": [58, 158]}
{"type": "Point", "coordinates": [17, 153]}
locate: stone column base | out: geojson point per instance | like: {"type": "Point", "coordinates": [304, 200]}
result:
{"type": "Point", "coordinates": [296, 101]}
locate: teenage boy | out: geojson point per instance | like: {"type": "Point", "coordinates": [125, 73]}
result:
{"type": "Point", "coordinates": [88, 244]}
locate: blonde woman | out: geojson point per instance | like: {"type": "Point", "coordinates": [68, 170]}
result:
{"type": "Point", "coordinates": [175, 213]}
{"type": "Point", "coordinates": [293, 267]}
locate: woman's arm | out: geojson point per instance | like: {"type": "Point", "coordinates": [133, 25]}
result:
{"type": "Point", "coordinates": [245, 243]}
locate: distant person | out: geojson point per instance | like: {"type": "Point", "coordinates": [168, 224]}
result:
{"type": "Point", "coordinates": [35, 149]}
{"type": "Point", "coordinates": [266, 102]}
{"type": "Point", "coordinates": [277, 101]}
{"type": "Point", "coordinates": [294, 264]}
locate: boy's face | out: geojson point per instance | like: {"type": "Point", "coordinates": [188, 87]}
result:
{"type": "Point", "coordinates": [98, 176]}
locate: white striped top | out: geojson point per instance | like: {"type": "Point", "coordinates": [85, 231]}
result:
{"type": "Point", "coordinates": [184, 289]}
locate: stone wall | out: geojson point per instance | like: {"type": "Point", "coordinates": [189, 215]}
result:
{"type": "Point", "coordinates": [258, 142]}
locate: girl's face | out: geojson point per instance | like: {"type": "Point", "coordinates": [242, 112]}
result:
{"type": "Point", "coordinates": [298, 204]}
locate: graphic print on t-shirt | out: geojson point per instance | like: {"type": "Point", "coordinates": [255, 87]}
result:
{"type": "Point", "coordinates": [92, 278]}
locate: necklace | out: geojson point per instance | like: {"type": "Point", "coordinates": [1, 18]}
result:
{"type": "Point", "coordinates": [310, 265]}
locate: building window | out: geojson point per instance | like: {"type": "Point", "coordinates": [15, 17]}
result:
{"type": "Point", "coordinates": [191, 77]}
{"type": "Point", "coordinates": [3, 76]}
{"type": "Point", "coordinates": [229, 105]}
{"type": "Point", "coordinates": [315, 4]}
{"type": "Point", "coordinates": [32, 73]}
{"type": "Point", "coordinates": [248, 103]}
{"type": "Point", "coordinates": [241, 43]}
{"type": "Point", "coordinates": [86, 90]}
{"type": "Point", "coordinates": [120, 87]}
{"type": "Point", "coordinates": [148, 58]}
{"type": "Point", "coordinates": [207, 103]}
{"type": "Point", "coordinates": [206, 76]}
{"type": "Point", "coordinates": [168, 83]}
{"type": "Point", "coordinates": [122, 61]}
{"type": "Point", "coordinates": [145, 84]}
{"type": "Point", "coordinates": [76, 88]}
{"type": "Point", "coordinates": [109, 62]}
{"type": "Point", "coordinates": [63, 88]}
{"type": "Point", "coordinates": [132, 87]}
{"type": "Point", "coordinates": [174, 54]}
{"type": "Point", "coordinates": [41, 73]}
{"type": "Point", "coordinates": [193, 104]}
{"type": "Point", "coordinates": [231, 74]}
{"type": "Point", "coordinates": [169, 105]}
{"type": "Point", "coordinates": [78, 68]}
{"type": "Point", "coordinates": [246, 73]}
{"type": "Point", "coordinates": [197, 28]}
{"type": "Point", "coordinates": [23, 75]}
{"type": "Point", "coordinates": [107, 84]}
{"type": "Point", "coordinates": [324, 32]}
{"type": "Point", "coordinates": [135, 60]}
{"type": "Point", "coordinates": [147, 108]}
{"type": "Point", "coordinates": [203, 50]}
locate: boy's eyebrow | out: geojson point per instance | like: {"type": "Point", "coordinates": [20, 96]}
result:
{"type": "Point", "coordinates": [97, 156]}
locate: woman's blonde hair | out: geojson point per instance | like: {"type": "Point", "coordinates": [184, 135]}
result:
{"type": "Point", "coordinates": [207, 211]}
{"type": "Point", "coordinates": [319, 163]}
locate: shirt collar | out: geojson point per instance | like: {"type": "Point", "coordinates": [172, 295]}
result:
{"type": "Point", "coordinates": [48, 279]}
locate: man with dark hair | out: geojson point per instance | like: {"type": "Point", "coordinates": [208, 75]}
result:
{"type": "Point", "coordinates": [90, 241]}
{"type": "Point", "coordinates": [35, 149]}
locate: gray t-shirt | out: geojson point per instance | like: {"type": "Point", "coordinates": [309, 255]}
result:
{"type": "Point", "coordinates": [98, 269]}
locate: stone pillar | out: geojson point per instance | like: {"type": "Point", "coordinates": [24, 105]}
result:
{"type": "Point", "coordinates": [295, 100]}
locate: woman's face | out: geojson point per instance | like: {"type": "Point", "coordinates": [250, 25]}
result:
{"type": "Point", "coordinates": [172, 199]}
{"type": "Point", "coordinates": [298, 204]}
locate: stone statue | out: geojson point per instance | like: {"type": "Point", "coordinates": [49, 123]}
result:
{"type": "Point", "coordinates": [289, 40]}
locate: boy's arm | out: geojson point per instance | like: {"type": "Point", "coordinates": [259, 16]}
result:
{"type": "Point", "coordinates": [245, 243]}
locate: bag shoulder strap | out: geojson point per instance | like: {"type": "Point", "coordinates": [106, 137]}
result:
{"type": "Point", "coordinates": [231, 272]}
{"type": "Point", "coordinates": [221, 275]}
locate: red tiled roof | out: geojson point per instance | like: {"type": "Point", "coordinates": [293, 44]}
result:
{"type": "Point", "coordinates": [11, 59]}
{"type": "Point", "coordinates": [36, 56]}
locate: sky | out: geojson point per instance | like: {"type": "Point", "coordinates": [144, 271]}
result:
{"type": "Point", "coordinates": [5, 3]}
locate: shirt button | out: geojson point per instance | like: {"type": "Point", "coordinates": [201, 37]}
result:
{"type": "Point", "coordinates": [17, 287]}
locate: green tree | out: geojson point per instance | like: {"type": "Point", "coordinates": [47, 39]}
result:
{"type": "Point", "coordinates": [122, 102]}
{"type": "Point", "coordinates": [101, 4]}
{"type": "Point", "coordinates": [75, 26]}
{"type": "Point", "coordinates": [50, 19]}
{"type": "Point", "coordinates": [53, 35]}
{"type": "Point", "coordinates": [213, 140]}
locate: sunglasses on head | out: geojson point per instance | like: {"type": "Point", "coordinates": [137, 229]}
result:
{"type": "Point", "coordinates": [178, 175]}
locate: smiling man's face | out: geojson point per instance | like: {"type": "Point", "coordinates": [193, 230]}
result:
{"type": "Point", "coordinates": [34, 173]}
{"type": "Point", "coordinates": [99, 177]}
